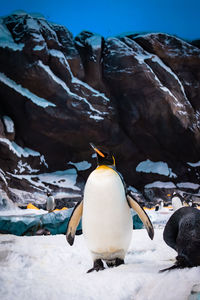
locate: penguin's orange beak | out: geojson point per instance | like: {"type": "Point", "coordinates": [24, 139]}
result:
{"type": "Point", "coordinates": [97, 150]}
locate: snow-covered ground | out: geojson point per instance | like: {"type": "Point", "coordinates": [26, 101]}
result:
{"type": "Point", "coordinates": [46, 267]}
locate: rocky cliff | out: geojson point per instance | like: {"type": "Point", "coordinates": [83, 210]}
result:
{"type": "Point", "coordinates": [137, 95]}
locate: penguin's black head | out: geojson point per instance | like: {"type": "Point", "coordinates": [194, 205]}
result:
{"type": "Point", "coordinates": [103, 157]}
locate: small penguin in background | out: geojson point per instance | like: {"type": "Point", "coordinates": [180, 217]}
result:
{"type": "Point", "coordinates": [190, 203]}
{"type": "Point", "coordinates": [50, 206]}
{"type": "Point", "coordinates": [176, 201]}
{"type": "Point", "coordinates": [159, 206]}
{"type": "Point", "coordinates": [106, 217]}
{"type": "Point", "coordinates": [3, 203]}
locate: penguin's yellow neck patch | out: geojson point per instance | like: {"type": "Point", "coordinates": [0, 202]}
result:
{"type": "Point", "coordinates": [103, 167]}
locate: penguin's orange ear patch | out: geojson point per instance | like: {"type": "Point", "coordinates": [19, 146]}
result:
{"type": "Point", "coordinates": [99, 152]}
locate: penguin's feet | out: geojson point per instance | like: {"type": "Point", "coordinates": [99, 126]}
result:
{"type": "Point", "coordinates": [119, 262]}
{"type": "Point", "coordinates": [98, 266]}
{"type": "Point", "coordinates": [110, 263]}
{"type": "Point", "coordinates": [115, 263]}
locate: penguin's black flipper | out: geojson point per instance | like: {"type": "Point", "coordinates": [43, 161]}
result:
{"type": "Point", "coordinates": [73, 222]}
{"type": "Point", "coordinates": [142, 214]}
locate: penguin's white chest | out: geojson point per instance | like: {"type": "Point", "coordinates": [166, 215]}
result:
{"type": "Point", "coordinates": [176, 203]}
{"type": "Point", "coordinates": [106, 221]}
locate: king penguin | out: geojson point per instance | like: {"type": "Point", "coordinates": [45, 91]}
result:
{"type": "Point", "coordinates": [106, 217]}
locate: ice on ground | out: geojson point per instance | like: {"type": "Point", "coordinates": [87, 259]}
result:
{"type": "Point", "coordinates": [18, 213]}
{"type": "Point", "coordinates": [48, 268]}
{"type": "Point", "coordinates": [159, 218]}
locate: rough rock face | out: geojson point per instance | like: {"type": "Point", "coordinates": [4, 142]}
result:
{"type": "Point", "coordinates": [138, 95]}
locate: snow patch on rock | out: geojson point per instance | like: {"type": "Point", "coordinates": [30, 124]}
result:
{"type": "Point", "coordinates": [94, 41]}
{"type": "Point", "coordinates": [159, 167]}
{"type": "Point", "coordinates": [32, 24]}
{"type": "Point", "coordinates": [197, 164]}
{"type": "Point", "coordinates": [180, 48]}
{"type": "Point", "coordinates": [6, 39]}
{"type": "Point", "coordinates": [62, 179]}
{"type": "Point", "coordinates": [2, 176]}
{"type": "Point", "coordinates": [160, 185]}
{"type": "Point", "coordinates": [38, 47]}
{"type": "Point", "coordinates": [9, 124]}
{"type": "Point", "coordinates": [75, 80]}
{"type": "Point", "coordinates": [188, 185]}
{"type": "Point", "coordinates": [42, 161]}
{"type": "Point", "coordinates": [37, 37]}
{"type": "Point", "coordinates": [179, 107]}
{"type": "Point", "coordinates": [96, 118]}
{"type": "Point", "coordinates": [25, 167]}
{"type": "Point", "coordinates": [161, 63]}
{"type": "Point", "coordinates": [25, 92]}
{"type": "Point", "coordinates": [81, 166]}
{"type": "Point", "coordinates": [66, 88]}
{"type": "Point", "coordinates": [19, 151]}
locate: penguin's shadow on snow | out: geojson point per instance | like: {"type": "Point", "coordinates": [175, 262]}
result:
{"type": "Point", "coordinates": [137, 252]}
{"type": "Point", "coordinates": [138, 257]}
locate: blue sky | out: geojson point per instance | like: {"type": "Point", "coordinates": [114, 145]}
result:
{"type": "Point", "coordinates": [112, 17]}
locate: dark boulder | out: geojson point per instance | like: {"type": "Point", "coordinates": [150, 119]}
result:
{"type": "Point", "coordinates": [138, 95]}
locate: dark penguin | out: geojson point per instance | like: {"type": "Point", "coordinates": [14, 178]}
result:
{"type": "Point", "coordinates": [182, 233]}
